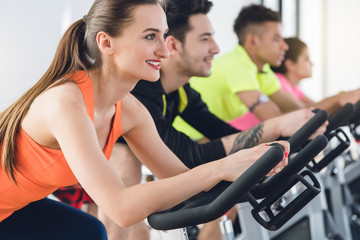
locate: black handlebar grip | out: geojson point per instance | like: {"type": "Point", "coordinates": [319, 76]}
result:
{"type": "Point", "coordinates": [308, 129]}
{"type": "Point", "coordinates": [296, 164]}
{"type": "Point", "coordinates": [355, 116]}
{"type": "Point", "coordinates": [178, 218]}
{"type": "Point", "coordinates": [340, 117]}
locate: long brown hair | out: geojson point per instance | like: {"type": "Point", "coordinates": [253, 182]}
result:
{"type": "Point", "coordinates": [77, 50]}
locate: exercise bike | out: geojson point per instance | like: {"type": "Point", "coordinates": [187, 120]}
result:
{"type": "Point", "coordinates": [315, 221]}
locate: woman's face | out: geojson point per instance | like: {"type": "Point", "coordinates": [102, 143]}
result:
{"type": "Point", "coordinates": [140, 48]}
{"type": "Point", "coordinates": [303, 66]}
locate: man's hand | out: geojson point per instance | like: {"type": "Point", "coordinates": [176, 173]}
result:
{"type": "Point", "coordinates": [292, 122]}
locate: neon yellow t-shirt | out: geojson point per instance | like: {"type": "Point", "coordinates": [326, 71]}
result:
{"type": "Point", "coordinates": [231, 73]}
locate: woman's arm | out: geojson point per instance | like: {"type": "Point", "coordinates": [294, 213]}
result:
{"type": "Point", "coordinates": [74, 131]}
{"type": "Point", "coordinates": [69, 123]}
{"type": "Point", "coordinates": [333, 103]}
{"type": "Point", "coordinates": [141, 135]}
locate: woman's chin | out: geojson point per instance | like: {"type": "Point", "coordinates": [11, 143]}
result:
{"type": "Point", "coordinates": [152, 78]}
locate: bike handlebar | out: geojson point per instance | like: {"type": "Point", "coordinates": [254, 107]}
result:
{"type": "Point", "coordinates": [182, 217]}
{"type": "Point", "coordinates": [354, 118]}
{"type": "Point", "coordinates": [222, 197]}
{"type": "Point", "coordinates": [294, 166]}
{"type": "Point", "coordinates": [307, 129]}
{"type": "Point", "coordinates": [340, 117]}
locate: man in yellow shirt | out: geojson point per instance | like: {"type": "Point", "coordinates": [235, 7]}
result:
{"type": "Point", "coordinates": [242, 83]}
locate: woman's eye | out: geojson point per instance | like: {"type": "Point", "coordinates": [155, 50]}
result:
{"type": "Point", "coordinates": [150, 37]}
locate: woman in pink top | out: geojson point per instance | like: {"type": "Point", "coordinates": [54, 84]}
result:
{"type": "Point", "coordinates": [298, 66]}
{"type": "Point", "coordinates": [62, 131]}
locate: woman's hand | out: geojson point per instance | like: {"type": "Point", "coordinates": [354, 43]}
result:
{"type": "Point", "coordinates": [281, 164]}
{"type": "Point", "coordinates": [236, 164]}
{"type": "Point", "coordinates": [284, 161]}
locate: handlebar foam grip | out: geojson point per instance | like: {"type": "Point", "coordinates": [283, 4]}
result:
{"type": "Point", "coordinates": [308, 129]}
{"type": "Point", "coordinates": [355, 116]}
{"type": "Point", "coordinates": [338, 118]}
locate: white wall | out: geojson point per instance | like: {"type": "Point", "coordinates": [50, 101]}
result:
{"type": "Point", "coordinates": [31, 30]}
{"type": "Point", "coordinates": [222, 17]}
{"type": "Point", "coordinates": [343, 48]}
{"type": "Point", "coordinates": [312, 30]}
{"type": "Point", "coordinates": [329, 27]}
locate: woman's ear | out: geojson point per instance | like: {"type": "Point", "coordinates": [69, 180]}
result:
{"type": "Point", "coordinates": [104, 42]}
{"type": "Point", "coordinates": [173, 45]}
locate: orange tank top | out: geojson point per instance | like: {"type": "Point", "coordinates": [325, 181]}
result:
{"type": "Point", "coordinates": [42, 170]}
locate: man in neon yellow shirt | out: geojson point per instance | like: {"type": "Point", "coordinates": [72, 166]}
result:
{"type": "Point", "coordinates": [242, 83]}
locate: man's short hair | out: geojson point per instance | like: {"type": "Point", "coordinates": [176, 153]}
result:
{"type": "Point", "coordinates": [178, 13]}
{"type": "Point", "coordinates": [250, 16]}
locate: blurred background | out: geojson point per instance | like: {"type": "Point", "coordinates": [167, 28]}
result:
{"type": "Point", "coordinates": [30, 32]}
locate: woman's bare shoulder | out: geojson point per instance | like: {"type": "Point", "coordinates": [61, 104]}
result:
{"type": "Point", "coordinates": [133, 112]}
{"type": "Point", "coordinates": [48, 108]}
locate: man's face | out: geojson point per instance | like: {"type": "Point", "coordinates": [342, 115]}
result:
{"type": "Point", "coordinates": [270, 46]}
{"type": "Point", "coordinates": [199, 47]}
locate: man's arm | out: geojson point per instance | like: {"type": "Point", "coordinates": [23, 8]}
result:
{"type": "Point", "coordinates": [282, 126]}
{"type": "Point", "coordinates": [285, 101]}
{"type": "Point", "coordinates": [277, 104]}
{"type": "Point", "coordinates": [197, 115]}
{"type": "Point", "coordinates": [270, 130]}
{"type": "Point", "coordinates": [188, 151]}
{"type": "Point", "coordinates": [333, 103]}
{"type": "Point", "coordinates": [262, 110]}
{"type": "Point", "coordinates": [246, 139]}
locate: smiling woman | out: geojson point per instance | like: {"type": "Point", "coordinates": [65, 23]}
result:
{"type": "Point", "coordinates": [143, 45]}
{"type": "Point", "coordinates": [86, 93]}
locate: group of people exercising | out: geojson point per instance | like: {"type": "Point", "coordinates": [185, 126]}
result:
{"type": "Point", "coordinates": [117, 95]}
